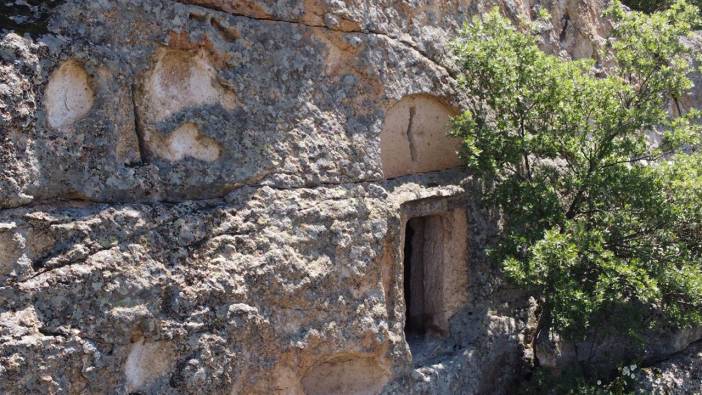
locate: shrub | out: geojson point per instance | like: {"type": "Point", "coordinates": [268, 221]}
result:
{"type": "Point", "coordinates": [650, 6]}
{"type": "Point", "coordinates": [602, 225]}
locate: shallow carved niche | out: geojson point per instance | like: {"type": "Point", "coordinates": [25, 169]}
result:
{"type": "Point", "coordinates": [435, 268]}
{"type": "Point", "coordinates": [179, 80]}
{"type": "Point", "coordinates": [183, 79]}
{"type": "Point", "coordinates": [346, 374]}
{"type": "Point", "coordinates": [10, 250]}
{"type": "Point", "coordinates": [147, 362]}
{"type": "Point", "coordinates": [415, 137]}
{"type": "Point", "coordinates": [69, 95]}
{"type": "Point", "coordinates": [186, 141]}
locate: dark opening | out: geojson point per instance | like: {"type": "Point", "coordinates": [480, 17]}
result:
{"type": "Point", "coordinates": [415, 316]}
{"type": "Point", "coordinates": [435, 278]}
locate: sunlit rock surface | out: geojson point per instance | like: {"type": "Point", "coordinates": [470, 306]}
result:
{"type": "Point", "coordinates": [213, 197]}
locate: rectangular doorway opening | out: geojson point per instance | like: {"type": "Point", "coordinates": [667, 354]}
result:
{"type": "Point", "coordinates": [434, 273]}
{"type": "Point", "coordinates": [420, 272]}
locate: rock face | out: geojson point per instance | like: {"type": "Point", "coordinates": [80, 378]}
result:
{"type": "Point", "coordinates": [606, 352]}
{"type": "Point", "coordinates": [220, 197]}
{"type": "Point", "coordinates": [681, 374]}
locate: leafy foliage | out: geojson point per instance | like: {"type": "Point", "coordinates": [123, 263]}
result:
{"type": "Point", "coordinates": [602, 224]}
{"type": "Point", "coordinates": [649, 6]}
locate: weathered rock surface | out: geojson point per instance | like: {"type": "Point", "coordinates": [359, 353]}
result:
{"type": "Point", "coordinates": [681, 374]}
{"type": "Point", "coordinates": [198, 197]}
{"type": "Point", "coordinates": [288, 94]}
{"type": "Point", "coordinates": [606, 350]}
{"type": "Point", "coordinates": [264, 291]}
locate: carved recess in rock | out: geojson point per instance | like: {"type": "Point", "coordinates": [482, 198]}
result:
{"type": "Point", "coordinates": [431, 271]}
{"type": "Point", "coordinates": [146, 363]}
{"type": "Point", "coordinates": [346, 375]}
{"type": "Point", "coordinates": [69, 96]}
{"type": "Point", "coordinates": [415, 137]}
{"type": "Point", "coordinates": [186, 141]}
{"type": "Point", "coordinates": [435, 271]}
{"type": "Point", "coordinates": [180, 80]}
{"type": "Point", "coordinates": [9, 248]}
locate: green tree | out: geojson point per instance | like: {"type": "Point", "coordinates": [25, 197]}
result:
{"type": "Point", "coordinates": [603, 225]}
{"type": "Point", "coordinates": [648, 5]}
{"type": "Point", "coordinates": [654, 5]}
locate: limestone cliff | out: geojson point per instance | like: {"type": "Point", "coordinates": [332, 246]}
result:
{"type": "Point", "coordinates": [226, 196]}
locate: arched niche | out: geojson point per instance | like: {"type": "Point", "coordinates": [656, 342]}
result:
{"type": "Point", "coordinates": [69, 95]}
{"type": "Point", "coordinates": [415, 137]}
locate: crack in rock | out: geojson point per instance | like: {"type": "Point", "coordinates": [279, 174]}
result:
{"type": "Point", "coordinates": [410, 135]}
{"type": "Point", "coordinates": [391, 37]}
